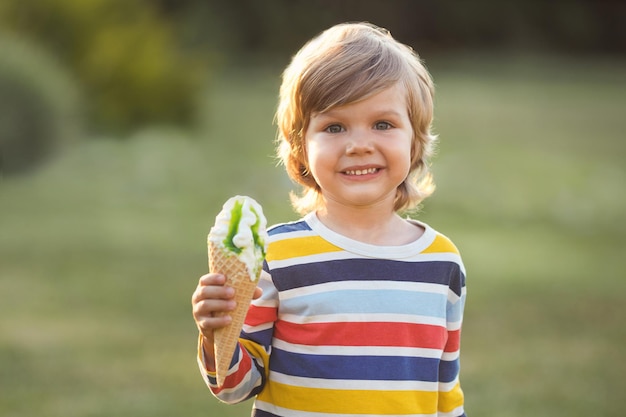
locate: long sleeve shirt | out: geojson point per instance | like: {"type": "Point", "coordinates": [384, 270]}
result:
{"type": "Point", "coordinates": [346, 328]}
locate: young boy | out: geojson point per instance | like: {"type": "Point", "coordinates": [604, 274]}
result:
{"type": "Point", "coordinates": [361, 309]}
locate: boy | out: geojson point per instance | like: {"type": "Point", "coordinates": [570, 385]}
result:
{"type": "Point", "coordinates": [361, 309]}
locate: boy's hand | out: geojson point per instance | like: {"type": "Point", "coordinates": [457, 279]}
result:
{"type": "Point", "coordinates": [212, 296]}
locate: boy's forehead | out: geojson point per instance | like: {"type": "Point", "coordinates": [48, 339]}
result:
{"type": "Point", "coordinates": [382, 97]}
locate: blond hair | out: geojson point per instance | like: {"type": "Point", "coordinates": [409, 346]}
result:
{"type": "Point", "coordinates": [342, 65]}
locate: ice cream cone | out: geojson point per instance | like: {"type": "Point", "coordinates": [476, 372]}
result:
{"type": "Point", "coordinates": [237, 276]}
{"type": "Point", "coordinates": [237, 244]}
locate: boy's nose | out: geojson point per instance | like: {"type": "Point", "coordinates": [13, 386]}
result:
{"type": "Point", "coordinates": [359, 143]}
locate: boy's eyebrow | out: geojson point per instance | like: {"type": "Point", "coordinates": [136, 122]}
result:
{"type": "Point", "coordinates": [382, 113]}
{"type": "Point", "coordinates": [391, 113]}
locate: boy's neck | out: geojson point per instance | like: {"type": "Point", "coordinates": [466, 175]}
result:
{"type": "Point", "coordinates": [377, 227]}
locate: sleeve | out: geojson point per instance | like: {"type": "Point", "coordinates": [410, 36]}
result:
{"type": "Point", "coordinates": [451, 398]}
{"type": "Point", "coordinates": [249, 368]}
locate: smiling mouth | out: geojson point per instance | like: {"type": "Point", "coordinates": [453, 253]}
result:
{"type": "Point", "coordinates": [358, 172]}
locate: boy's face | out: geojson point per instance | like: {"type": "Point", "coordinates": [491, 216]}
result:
{"type": "Point", "coordinates": [361, 152]}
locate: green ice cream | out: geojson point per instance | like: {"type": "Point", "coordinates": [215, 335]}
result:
{"type": "Point", "coordinates": [241, 229]}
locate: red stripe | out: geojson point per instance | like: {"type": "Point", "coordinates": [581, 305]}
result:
{"type": "Point", "coordinates": [454, 341]}
{"type": "Point", "coordinates": [362, 334]}
{"type": "Point", "coordinates": [232, 380]}
{"type": "Point", "coordinates": [259, 315]}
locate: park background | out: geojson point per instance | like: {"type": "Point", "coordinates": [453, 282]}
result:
{"type": "Point", "coordinates": [124, 125]}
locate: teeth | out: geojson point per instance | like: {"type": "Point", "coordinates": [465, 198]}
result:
{"type": "Point", "coordinates": [362, 171]}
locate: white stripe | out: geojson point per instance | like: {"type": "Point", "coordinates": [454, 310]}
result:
{"type": "Point", "coordinates": [353, 384]}
{"type": "Point", "coordinates": [253, 329]}
{"type": "Point", "coordinates": [343, 255]}
{"type": "Point", "coordinates": [236, 394]}
{"type": "Point", "coordinates": [317, 257]}
{"type": "Point", "coordinates": [280, 411]}
{"type": "Point", "coordinates": [265, 302]}
{"type": "Point", "coordinates": [364, 318]}
{"type": "Point", "coordinates": [452, 297]}
{"type": "Point", "coordinates": [454, 325]}
{"type": "Point", "coordinates": [358, 350]}
{"type": "Point", "coordinates": [365, 285]}
{"type": "Point", "coordinates": [450, 356]}
{"type": "Point", "coordinates": [291, 235]}
{"type": "Point", "coordinates": [448, 386]}
{"type": "Point", "coordinates": [439, 257]}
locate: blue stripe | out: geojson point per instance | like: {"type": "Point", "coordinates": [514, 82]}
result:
{"type": "Point", "coordinates": [375, 368]}
{"type": "Point", "coordinates": [455, 311]}
{"type": "Point", "coordinates": [378, 301]}
{"type": "Point", "coordinates": [302, 275]}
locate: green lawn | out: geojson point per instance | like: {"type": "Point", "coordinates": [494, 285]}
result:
{"type": "Point", "coordinates": [101, 248]}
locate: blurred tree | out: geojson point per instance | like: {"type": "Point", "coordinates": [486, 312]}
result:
{"type": "Point", "coordinates": [39, 106]}
{"type": "Point", "coordinates": [126, 57]}
{"type": "Point", "coordinates": [143, 61]}
{"type": "Point", "coordinates": [278, 27]}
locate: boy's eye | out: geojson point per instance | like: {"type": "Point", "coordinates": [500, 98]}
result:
{"type": "Point", "coordinates": [382, 126]}
{"type": "Point", "coordinates": [334, 129]}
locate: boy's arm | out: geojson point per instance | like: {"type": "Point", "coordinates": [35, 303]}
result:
{"type": "Point", "coordinates": [451, 398]}
{"type": "Point", "coordinates": [247, 372]}
{"type": "Point", "coordinates": [207, 355]}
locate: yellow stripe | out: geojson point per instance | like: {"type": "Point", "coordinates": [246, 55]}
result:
{"type": "Point", "coordinates": [318, 400]}
{"type": "Point", "coordinates": [450, 400]}
{"type": "Point", "coordinates": [257, 351]}
{"type": "Point", "coordinates": [300, 246]}
{"type": "Point", "coordinates": [441, 244]}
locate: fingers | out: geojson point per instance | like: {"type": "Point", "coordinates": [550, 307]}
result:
{"type": "Point", "coordinates": [211, 301]}
{"type": "Point", "coordinates": [212, 279]}
{"type": "Point", "coordinates": [207, 323]}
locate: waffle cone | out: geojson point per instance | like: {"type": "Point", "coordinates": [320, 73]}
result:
{"type": "Point", "coordinates": [226, 338]}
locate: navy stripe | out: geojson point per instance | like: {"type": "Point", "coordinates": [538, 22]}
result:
{"type": "Point", "coordinates": [355, 367]}
{"type": "Point", "coordinates": [261, 413]}
{"type": "Point", "coordinates": [262, 337]}
{"type": "Point", "coordinates": [302, 275]}
{"type": "Point", "coordinates": [457, 281]}
{"type": "Point", "coordinates": [297, 226]}
{"type": "Point", "coordinates": [448, 370]}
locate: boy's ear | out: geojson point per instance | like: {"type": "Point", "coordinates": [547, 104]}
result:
{"type": "Point", "coordinates": [306, 178]}
{"type": "Point", "coordinates": [304, 171]}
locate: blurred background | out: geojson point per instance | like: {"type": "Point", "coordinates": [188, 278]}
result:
{"type": "Point", "coordinates": [124, 125]}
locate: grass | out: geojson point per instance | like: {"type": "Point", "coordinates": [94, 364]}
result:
{"type": "Point", "coordinates": [101, 248]}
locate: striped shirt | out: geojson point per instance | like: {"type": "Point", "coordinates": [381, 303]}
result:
{"type": "Point", "coordinates": [346, 328]}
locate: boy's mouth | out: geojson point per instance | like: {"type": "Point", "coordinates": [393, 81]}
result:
{"type": "Point", "coordinates": [358, 172]}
